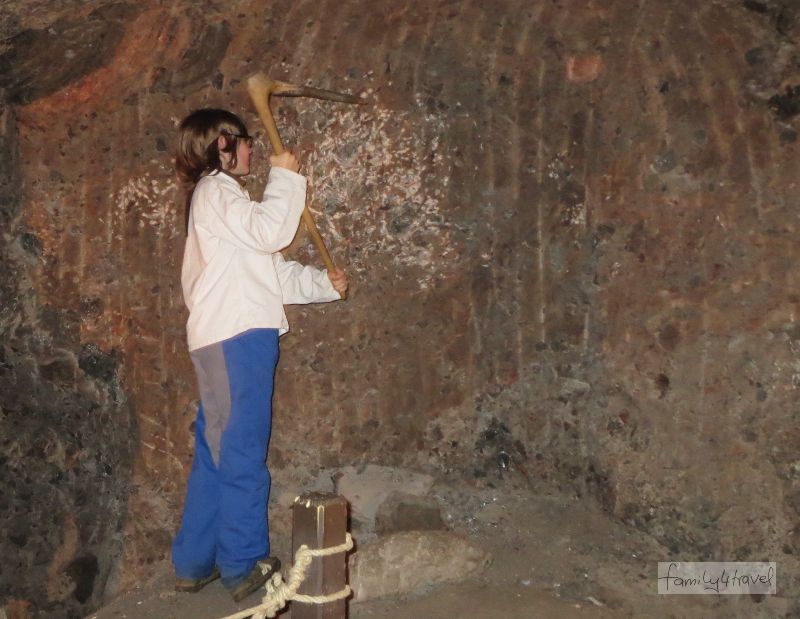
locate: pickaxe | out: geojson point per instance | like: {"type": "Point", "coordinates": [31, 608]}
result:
{"type": "Point", "coordinates": [260, 88]}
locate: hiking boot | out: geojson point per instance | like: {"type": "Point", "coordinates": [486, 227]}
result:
{"type": "Point", "coordinates": [260, 574]}
{"type": "Point", "coordinates": [193, 585]}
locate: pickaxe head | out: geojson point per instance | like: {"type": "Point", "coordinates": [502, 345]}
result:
{"type": "Point", "coordinates": [260, 85]}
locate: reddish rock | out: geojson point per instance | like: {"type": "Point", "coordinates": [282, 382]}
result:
{"type": "Point", "coordinates": [583, 69]}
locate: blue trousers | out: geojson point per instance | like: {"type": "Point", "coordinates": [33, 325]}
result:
{"type": "Point", "coordinates": [224, 520]}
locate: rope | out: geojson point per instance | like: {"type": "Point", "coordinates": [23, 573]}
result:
{"type": "Point", "coordinates": [280, 592]}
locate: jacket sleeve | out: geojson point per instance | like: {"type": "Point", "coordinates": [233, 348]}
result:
{"type": "Point", "coordinates": [303, 284]}
{"type": "Point", "coordinates": [224, 211]}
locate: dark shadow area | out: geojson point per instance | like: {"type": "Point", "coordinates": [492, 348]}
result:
{"type": "Point", "coordinates": [68, 436]}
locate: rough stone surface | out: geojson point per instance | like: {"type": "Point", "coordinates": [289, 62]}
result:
{"type": "Point", "coordinates": [571, 228]}
{"type": "Point", "coordinates": [367, 489]}
{"type": "Point", "coordinates": [67, 440]}
{"type": "Point", "coordinates": [37, 62]}
{"type": "Point", "coordinates": [411, 561]}
{"type": "Point", "coordinates": [407, 512]}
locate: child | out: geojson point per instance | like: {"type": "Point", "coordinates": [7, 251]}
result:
{"type": "Point", "coordinates": [235, 283]}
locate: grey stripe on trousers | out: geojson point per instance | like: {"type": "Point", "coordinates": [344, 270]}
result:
{"type": "Point", "coordinates": [215, 393]}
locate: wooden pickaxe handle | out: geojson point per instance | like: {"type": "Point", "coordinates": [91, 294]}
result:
{"type": "Point", "coordinates": [259, 94]}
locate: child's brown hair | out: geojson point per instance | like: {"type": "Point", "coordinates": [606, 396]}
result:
{"type": "Point", "coordinates": [198, 148]}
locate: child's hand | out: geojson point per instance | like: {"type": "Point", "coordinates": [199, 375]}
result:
{"type": "Point", "coordinates": [285, 160]}
{"type": "Point", "coordinates": [339, 280]}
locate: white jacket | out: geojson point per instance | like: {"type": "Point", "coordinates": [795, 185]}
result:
{"type": "Point", "coordinates": [233, 275]}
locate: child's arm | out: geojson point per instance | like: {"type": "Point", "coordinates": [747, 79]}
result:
{"type": "Point", "coordinates": [262, 227]}
{"type": "Point", "coordinates": [304, 284]}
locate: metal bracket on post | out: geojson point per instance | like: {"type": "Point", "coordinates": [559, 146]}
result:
{"type": "Point", "coordinates": [320, 521]}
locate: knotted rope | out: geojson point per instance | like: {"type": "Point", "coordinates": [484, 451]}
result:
{"type": "Point", "coordinates": [280, 592]}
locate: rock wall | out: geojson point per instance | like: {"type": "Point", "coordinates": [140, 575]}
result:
{"type": "Point", "coordinates": [571, 229]}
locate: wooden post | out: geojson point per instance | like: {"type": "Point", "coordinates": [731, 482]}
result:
{"type": "Point", "coordinates": [320, 521]}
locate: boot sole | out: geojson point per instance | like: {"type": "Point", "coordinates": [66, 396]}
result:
{"type": "Point", "coordinates": [256, 579]}
{"type": "Point", "coordinates": [183, 585]}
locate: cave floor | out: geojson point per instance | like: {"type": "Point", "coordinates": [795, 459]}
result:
{"type": "Point", "coordinates": [554, 557]}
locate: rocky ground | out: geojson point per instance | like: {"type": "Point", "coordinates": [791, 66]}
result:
{"type": "Point", "coordinates": [552, 556]}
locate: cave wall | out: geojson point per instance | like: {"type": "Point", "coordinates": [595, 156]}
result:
{"type": "Point", "coordinates": [571, 230]}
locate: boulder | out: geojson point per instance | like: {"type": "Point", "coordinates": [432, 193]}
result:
{"type": "Point", "coordinates": [367, 487]}
{"type": "Point", "coordinates": [407, 512]}
{"type": "Point", "coordinates": [410, 561]}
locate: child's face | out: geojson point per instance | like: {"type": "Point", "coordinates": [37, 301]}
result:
{"type": "Point", "coordinates": [243, 152]}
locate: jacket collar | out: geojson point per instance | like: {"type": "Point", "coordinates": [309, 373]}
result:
{"type": "Point", "coordinates": [228, 177]}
